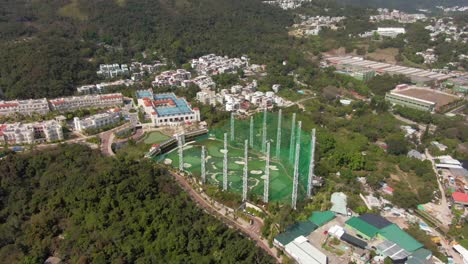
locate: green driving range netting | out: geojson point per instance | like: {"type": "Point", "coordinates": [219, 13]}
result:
{"type": "Point", "coordinates": [281, 159]}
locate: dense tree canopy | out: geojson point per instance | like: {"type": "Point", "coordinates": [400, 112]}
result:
{"type": "Point", "coordinates": [73, 203]}
{"type": "Point", "coordinates": [48, 47]}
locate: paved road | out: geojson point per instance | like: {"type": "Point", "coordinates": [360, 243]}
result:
{"type": "Point", "coordinates": [107, 138]}
{"type": "Point", "coordinates": [253, 231]}
{"type": "Point", "coordinates": [444, 212]}
{"type": "Point", "coordinates": [443, 209]}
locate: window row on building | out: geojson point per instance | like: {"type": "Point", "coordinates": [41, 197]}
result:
{"type": "Point", "coordinates": [43, 106]}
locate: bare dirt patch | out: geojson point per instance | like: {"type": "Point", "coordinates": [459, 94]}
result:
{"type": "Point", "coordinates": [386, 55]}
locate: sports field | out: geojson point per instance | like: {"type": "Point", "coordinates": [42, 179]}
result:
{"type": "Point", "coordinates": [280, 176]}
{"type": "Point", "coordinates": [281, 163]}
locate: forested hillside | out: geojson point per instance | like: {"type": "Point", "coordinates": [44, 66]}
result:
{"type": "Point", "coordinates": [47, 47]}
{"type": "Point", "coordinates": [84, 208]}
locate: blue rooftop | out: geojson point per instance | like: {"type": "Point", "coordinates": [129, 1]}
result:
{"type": "Point", "coordinates": [143, 94]}
{"type": "Point", "coordinates": [181, 107]}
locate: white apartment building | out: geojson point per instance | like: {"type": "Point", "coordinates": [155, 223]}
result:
{"type": "Point", "coordinates": [112, 70]}
{"type": "Point", "coordinates": [52, 130]}
{"type": "Point", "coordinates": [101, 87]}
{"type": "Point", "coordinates": [19, 133]}
{"type": "Point", "coordinates": [25, 107]}
{"type": "Point", "coordinates": [86, 101]}
{"type": "Point", "coordinates": [391, 32]}
{"type": "Point", "coordinates": [204, 82]}
{"type": "Point", "coordinates": [96, 121]}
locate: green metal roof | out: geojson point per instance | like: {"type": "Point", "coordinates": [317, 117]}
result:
{"type": "Point", "coordinates": [362, 226]}
{"type": "Point", "coordinates": [419, 256]}
{"type": "Point", "coordinates": [320, 218]}
{"type": "Point", "coordinates": [296, 230]}
{"type": "Point", "coordinates": [400, 237]}
{"type": "Point", "coordinates": [422, 253]}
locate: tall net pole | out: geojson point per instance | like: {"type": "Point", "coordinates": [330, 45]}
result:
{"type": "Point", "coordinates": [203, 167]}
{"type": "Point", "coordinates": [292, 140]}
{"type": "Point", "coordinates": [264, 129]}
{"type": "Point", "coordinates": [232, 126]}
{"type": "Point", "coordinates": [251, 140]}
{"type": "Point", "coordinates": [244, 178]}
{"type": "Point", "coordinates": [296, 177]}
{"type": "Point", "coordinates": [225, 164]}
{"type": "Point", "coordinates": [299, 132]}
{"type": "Point", "coordinates": [278, 135]}
{"type": "Point", "coordinates": [311, 165]}
{"type": "Point", "coordinates": [266, 184]}
{"type": "Point", "coordinates": [180, 144]}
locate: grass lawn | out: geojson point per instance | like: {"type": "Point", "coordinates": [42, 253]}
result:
{"type": "Point", "coordinates": [155, 137]}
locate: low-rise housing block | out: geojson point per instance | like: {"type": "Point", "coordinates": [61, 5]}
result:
{"type": "Point", "coordinates": [19, 133]}
{"type": "Point", "coordinates": [96, 121]}
{"type": "Point", "coordinates": [25, 107]}
{"type": "Point", "coordinates": [86, 101]}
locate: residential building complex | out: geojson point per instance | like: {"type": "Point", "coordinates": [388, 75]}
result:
{"type": "Point", "coordinates": [112, 70]}
{"type": "Point", "coordinates": [166, 109]}
{"type": "Point", "coordinates": [101, 87]}
{"type": "Point", "coordinates": [240, 98]}
{"type": "Point", "coordinates": [19, 133]}
{"type": "Point", "coordinates": [287, 4]}
{"type": "Point", "coordinates": [172, 78]}
{"type": "Point", "coordinates": [86, 101]}
{"type": "Point", "coordinates": [25, 107]}
{"type": "Point", "coordinates": [43, 106]}
{"type": "Point", "coordinates": [419, 98]}
{"type": "Point", "coordinates": [416, 75]}
{"type": "Point", "coordinates": [313, 25]}
{"type": "Point", "coordinates": [96, 121]}
{"type": "Point", "coordinates": [212, 64]}
{"type": "Point", "coordinates": [448, 29]}
{"type": "Point", "coordinates": [396, 15]}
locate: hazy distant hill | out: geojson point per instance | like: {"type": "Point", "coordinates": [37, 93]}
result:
{"type": "Point", "coordinates": [409, 5]}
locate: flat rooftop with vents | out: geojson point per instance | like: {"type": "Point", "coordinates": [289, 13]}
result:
{"type": "Point", "coordinates": [420, 98]}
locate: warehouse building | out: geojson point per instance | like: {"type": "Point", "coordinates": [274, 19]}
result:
{"type": "Point", "coordinates": [304, 253]}
{"type": "Point", "coordinates": [362, 228]}
{"type": "Point", "coordinates": [416, 75]}
{"type": "Point", "coordinates": [320, 218]}
{"type": "Point", "coordinates": [423, 99]}
{"type": "Point", "coordinates": [294, 231]}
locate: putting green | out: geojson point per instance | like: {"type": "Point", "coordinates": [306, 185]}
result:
{"type": "Point", "coordinates": [155, 137]}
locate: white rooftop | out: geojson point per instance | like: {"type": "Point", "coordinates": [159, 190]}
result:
{"type": "Point", "coordinates": [304, 253]}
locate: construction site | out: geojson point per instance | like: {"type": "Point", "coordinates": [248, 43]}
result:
{"type": "Point", "coordinates": [267, 156]}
